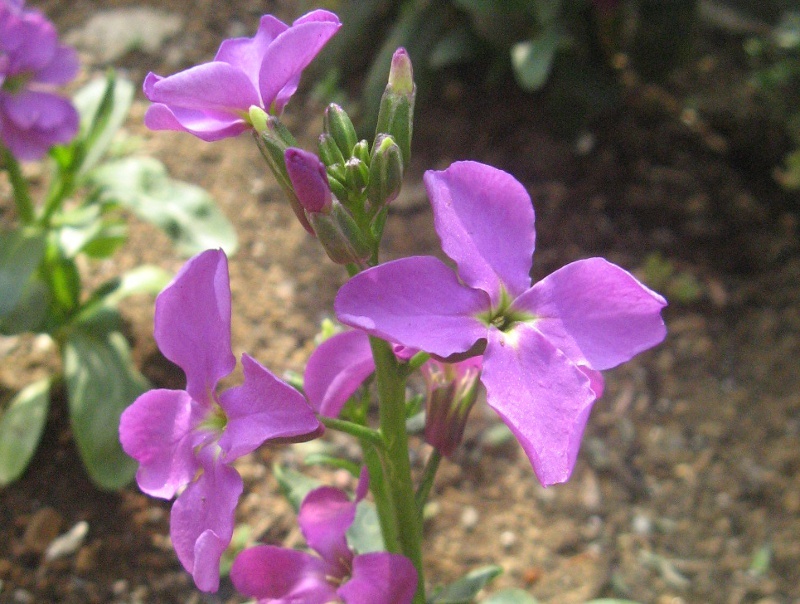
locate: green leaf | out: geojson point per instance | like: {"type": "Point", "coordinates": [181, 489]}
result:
{"type": "Point", "coordinates": [21, 252]}
{"type": "Point", "coordinates": [184, 211]}
{"type": "Point", "coordinates": [295, 486]}
{"type": "Point", "coordinates": [465, 589]}
{"type": "Point", "coordinates": [145, 279]}
{"type": "Point", "coordinates": [103, 105]}
{"type": "Point", "coordinates": [364, 535]}
{"type": "Point", "coordinates": [101, 382]}
{"type": "Point", "coordinates": [31, 311]}
{"type": "Point", "coordinates": [511, 596]}
{"type": "Point", "coordinates": [532, 60]}
{"type": "Point", "coordinates": [21, 427]}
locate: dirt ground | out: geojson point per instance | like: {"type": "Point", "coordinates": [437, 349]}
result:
{"type": "Point", "coordinates": [687, 488]}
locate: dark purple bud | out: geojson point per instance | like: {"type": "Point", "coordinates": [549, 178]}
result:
{"type": "Point", "coordinates": [309, 180]}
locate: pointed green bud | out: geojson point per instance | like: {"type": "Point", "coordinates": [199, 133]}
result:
{"type": "Point", "coordinates": [385, 173]}
{"type": "Point", "coordinates": [337, 186]}
{"type": "Point", "coordinates": [343, 241]}
{"type": "Point", "coordinates": [396, 114]}
{"type": "Point", "coordinates": [337, 124]}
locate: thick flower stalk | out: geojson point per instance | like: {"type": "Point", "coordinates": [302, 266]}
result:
{"type": "Point", "coordinates": [213, 100]}
{"type": "Point", "coordinates": [336, 574]}
{"type": "Point", "coordinates": [186, 440]}
{"type": "Point", "coordinates": [33, 64]}
{"type": "Point", "coordinates": [543, 345]}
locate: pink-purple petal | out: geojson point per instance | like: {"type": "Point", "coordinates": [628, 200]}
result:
{"type": "Point", "coordinates": [542, 396]}
{"type": "Point", "coordinates": [193, 323]}
{"type": "Point", "coordinates": [278, 575]}
{"type": "Point", "coordinates": [202, 520]}
{"type": "Point", "coordinates": [247, 53]}
{"type": "Point", "coordinates": [292, 51]}
{"type": "Point", "coordinates": [209, 126]}
{"type": "Point", "coordinates": [214, 86]}
{"type": "Point", "coordinates": [61, 69]}
{"type": "Point", "coordinates": [417, 302]}
{"type": "Point", "coordinates": [324, 518]}
{"type": "Point", "coordinates": [263, 409]}
{"type": "Point", "coordinates": [595, 312]}
{"type": "Point", "coordinates": [32, 122]}
{"type": "Point", "coordinates": [380, 578]}
{"type": "Point", "coordinates": [485, 220]}
{"type": "Point", "coordinates": [156, 431]}
{"type": "Point", "coordinates": [336, 369]}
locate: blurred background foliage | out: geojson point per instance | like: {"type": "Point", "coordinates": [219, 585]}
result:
{"type": "Point", "coordinates": [576, 55]}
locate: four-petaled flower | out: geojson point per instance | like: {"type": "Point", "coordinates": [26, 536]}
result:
{"type": "Point", "coordinates": [187, 439]}
{"type": "Point", "coordinates": [274, 575]}
{"type": "Point", "coordinates": [212, 100]}
{"type": "Point", "coordinates": [32, 65]}
{"type": "Point", "coordinates": [544, 344]}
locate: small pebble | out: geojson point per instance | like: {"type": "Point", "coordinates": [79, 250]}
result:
{"type": "Point", "coordinates": [469, 518]}
{"type": "Point", "coordinates": [68, 543]}
{"type": "Point", "coordinates": [508, 539]}
{"type": "Point", "coordinates": [642, 525]}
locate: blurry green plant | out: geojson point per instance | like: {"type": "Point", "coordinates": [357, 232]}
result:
{"type": "Point", "coordinates": [41, 289]}
{"type": "Point", "coordinates": [775, 60]}
{"type": "Point", "coordinates": [566, 46]}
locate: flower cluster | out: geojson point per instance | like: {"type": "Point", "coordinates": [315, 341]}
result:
{"type": "Point", "coordinates": [538, 349]}
{"type": "Point", "coordinates": [32, 65]}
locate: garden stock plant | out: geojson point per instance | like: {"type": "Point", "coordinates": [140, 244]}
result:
{"type": "Point", "coordinates": [79, 217]}
{"type": "Point", "coordinates": [538, 349]}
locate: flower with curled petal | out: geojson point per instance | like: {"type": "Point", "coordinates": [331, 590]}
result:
{"type": "Point", "coordinates": [213, 100]}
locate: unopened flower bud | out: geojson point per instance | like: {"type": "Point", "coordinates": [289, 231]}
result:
{"type": "Point", "coordinates": [385, 172]}
{"type": "Point", "coordinates": [309, 180]}
{"type": "Point", "coordinates": [337, 124]}
{"type": "Point", "coordinates": [340, 236]}
{"type": "Point", "coordinates": [361, 151]}
{"type": "Point", "coordinates": [357, 174]}
{"type": "Point", "coordinates": [396, 114]}
{"type": "Point", "coordinates": [451, 393]}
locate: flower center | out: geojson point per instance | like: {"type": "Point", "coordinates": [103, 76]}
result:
{"type": "Point", "coordinates": [503, 317]}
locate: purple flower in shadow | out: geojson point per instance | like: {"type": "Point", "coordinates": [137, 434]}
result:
{"type": "Point", "coordinates": [32, 65]}
{"type": "Point", "coordinates": [212, 100]}
{"type": "Point", "coordinates": [186, 440]}
{"type": "Point", "coordinates": [543, 344]}
{"type": "Point", "coordinates": [276, 575]}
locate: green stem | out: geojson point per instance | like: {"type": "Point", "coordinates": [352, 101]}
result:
{"type": "Point", "coordinates": [392, 410]}
{"type": "Point", "coordinates": [22, 197]}
{"type": "Point", "coordinates": [426, 483]}
{"type": "Point", "coordinates": [382, 495]}
{"type": "Point", "coordinates": [362, 433]}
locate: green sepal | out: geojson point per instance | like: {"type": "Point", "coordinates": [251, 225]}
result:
{"type": "Point", "coordinates": [21, 426]}
{"type": "Point", "coordinates": [385, 173]}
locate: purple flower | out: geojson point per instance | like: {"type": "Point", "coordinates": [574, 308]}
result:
{"type": "Point", "coordinates": [277, 575]}
{"type": "Point", "coordinates": [189, 438]}
{"type": "Point", "coordinates": [32, 65]}
{"type": "Point", "coordinates": [212, 100]}
{"type": "Point", "coordinates": [544, 344]}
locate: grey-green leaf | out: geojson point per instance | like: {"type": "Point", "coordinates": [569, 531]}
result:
{"type": "Point", "coordinates": [21, 252]}
{"type": "Point", "coordinates": [511, 596]}
{"type": "Point", "coordinates": [103, 105]}
{"type": "Point", "coordinates": [101, 382]}
{"type": "Point", "coordinates": [364, 535]}
{"type": "Point", "coordinates": [464, 590]}
{"type": "Point", "coordinates": [295, 486]}
{"type": "Point", "coordinates": [21, 427]}
{"type": "Point", "coordinates": [532, 60]}
{"type": "Point", "coordinates": [186, 213]}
